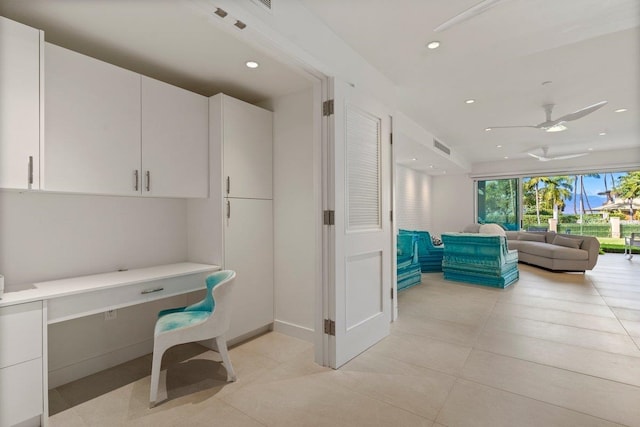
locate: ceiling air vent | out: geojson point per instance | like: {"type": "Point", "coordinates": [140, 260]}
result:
{"type": "Point", "coordinates": [264, 3]}
{"type": "Point", "coordinates": [440, 146]}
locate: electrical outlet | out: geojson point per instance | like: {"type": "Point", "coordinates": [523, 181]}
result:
{"type": "Point", "coordinates": [110, 315]}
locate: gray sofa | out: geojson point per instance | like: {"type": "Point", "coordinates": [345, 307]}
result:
{"type": "Point", "coordinates": [553, 251]}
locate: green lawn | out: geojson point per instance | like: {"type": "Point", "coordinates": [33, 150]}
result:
{"type": "Point", "coordinates": [610, 244]}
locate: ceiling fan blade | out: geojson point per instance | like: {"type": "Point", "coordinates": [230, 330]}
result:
{"type": "Point", "coordinates": [467, 14]}
{"type": "Point", "coordinates": [581, 113]}
{"type": "Point", "coordinates": [509, 127]}
{"type": "Point", "coordinates": [541, 158]}
{"type": "Point", "coordinates": [568, 156]}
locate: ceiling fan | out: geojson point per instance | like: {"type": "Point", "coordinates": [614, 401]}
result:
{"type": "Point", "coordinates": [546, 158]}
{"type": "Point", "coordinates": [557, 125]}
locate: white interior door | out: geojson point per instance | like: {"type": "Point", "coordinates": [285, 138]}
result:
{"type": "Point", "coordinates": [360, 240]}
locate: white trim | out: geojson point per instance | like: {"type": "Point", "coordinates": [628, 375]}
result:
{"type": "Point", "coordinates": [66, 374]}
{"type": "Point", "coordinates": [293, 330]}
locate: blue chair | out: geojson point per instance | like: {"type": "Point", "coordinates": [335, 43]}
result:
{"type": "Point", "coordinates": [203, 320]}
{"type": "Point", "coordinates": [429, 255]}
{"type": "Point", "coordinates": [481, 259]}
{"type": "Point", "coordinates": [408, 266]}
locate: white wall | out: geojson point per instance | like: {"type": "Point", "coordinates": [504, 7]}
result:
{"type": "Point", "coordinates": [49, 236]}
{"type": "Point", "coordinates": [294, 205]}
{"type": "Point", "coordinates": [452, 202]}
{"type": "Point", "coordinates": [413, 199]}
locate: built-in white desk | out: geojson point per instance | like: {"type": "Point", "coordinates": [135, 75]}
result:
{"type": "Point", "coordinates": [24, 316]}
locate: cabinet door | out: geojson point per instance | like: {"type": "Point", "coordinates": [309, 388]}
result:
{"type": "Point", "coordinates": [175, 141]}
{"type": "Point", "coordinates": [21, 333]}
{"type": "Point", "coordinates": [19, 105]}
{"type": "Point", "coordinates": [20, 362]}
{"type": "Point", "coordinates": [247, 149]}
{"type": "Point", "coordinates": [92, 126]}
{"type": "Point", "coordinates": [248, 249]}
{"type": "Point", "coordinates": [21, 392]}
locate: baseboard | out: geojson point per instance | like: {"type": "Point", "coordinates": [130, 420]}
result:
{"type": "Point", "coordinates": [293, 330]}
{"type": "Point", "coordinates": [99, 363]}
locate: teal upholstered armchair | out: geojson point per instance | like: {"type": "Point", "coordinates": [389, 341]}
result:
{"type": "Point", "coordinates": [480, 259]}
{"type": "Point", "coordinates": [407, 261]}
{"type": "Point", "coordinates": [429, 255]}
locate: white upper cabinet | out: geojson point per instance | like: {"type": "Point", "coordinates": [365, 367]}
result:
{"type": "Point", "coordinates": [175, 141]}
{"type": "Point", "coordinates": [20, 66]}
{"type": "Point", "coordinates": [244, 134]}
{"type": "Point", "coordinates": [111, 131]}
{"type": "Point", "coordinates": [92, 125]}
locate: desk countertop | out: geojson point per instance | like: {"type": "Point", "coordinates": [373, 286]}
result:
{"type": "Point", "coordinates": [75, 285]}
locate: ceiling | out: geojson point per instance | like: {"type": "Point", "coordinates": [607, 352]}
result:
{"type": "Point", "coordinates": [589, 51]}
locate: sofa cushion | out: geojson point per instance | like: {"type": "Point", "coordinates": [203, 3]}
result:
{"type": "Point", "coordinates": [532, 237]}
{"type": "Point", "coordinates": [494, 229]}
{"type": "Point", "coordinates": [547, 250]}
{"type": "Point", "coordinates": [567, 242]}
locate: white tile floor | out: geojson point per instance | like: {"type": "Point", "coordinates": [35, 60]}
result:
{"type": "Point", "coordinates": [552, 350]}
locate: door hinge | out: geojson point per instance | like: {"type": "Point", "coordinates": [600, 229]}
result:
{"type": "Point", "coordinates": [391, 293]}
{"type": "Point", "coordinates": [329, 217]}
{"type": "Point", "coordinates": [330, 327]}
{"type": "Point", "coordinates": [391, 138]}
{"type": "Point", "coordinates": [327, 107]}
{"type": "Point", "coordinates": [391, 215]}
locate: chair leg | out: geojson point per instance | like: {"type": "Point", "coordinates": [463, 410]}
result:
{"type": "Point", "coordinates": [222, 349]}
{"type": "Point", "coordinates": [158, 351]}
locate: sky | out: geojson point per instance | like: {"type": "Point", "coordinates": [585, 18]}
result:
{"type": "Point", "coordinates": [593, 186]}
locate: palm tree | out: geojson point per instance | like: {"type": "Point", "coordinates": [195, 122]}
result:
{"type": "Point", "coordinates": [534, 184]}
{"type": "Point", "coordinates": [557, 190]}
{"type": "Point", "coordinates": [579, 181]}
{"type": "Point", "coordinates": [629, 188]}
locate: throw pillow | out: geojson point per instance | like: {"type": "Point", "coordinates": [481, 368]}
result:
{"type": "Point", "coordinates": [471, 228]}
{"type": "Point", "coordinates": [492, 229]}
{"type": "Point", "coordinates": [567, 242]}
{"type": "Point", "coordinates": [532, 237]}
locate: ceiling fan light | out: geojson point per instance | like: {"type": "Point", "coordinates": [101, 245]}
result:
{"type": "Point", "coordinates": [557, 128]}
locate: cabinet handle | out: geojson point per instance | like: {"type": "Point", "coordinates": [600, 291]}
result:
{"type": "Point", "coordinates": [148, 181]}
{"type": "Point", "coordinates": [30, 171]}
{"type": "Point", "coordinates": [228, 209]}
{"type": "Point", "coordinates": [150, 291]}
{"type": "Point", "coordinates": [228, 184]}
{"type": "Point", "coordinates": [135, 179]}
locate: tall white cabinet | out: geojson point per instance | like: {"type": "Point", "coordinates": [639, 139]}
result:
{"type": "Point", "coordinates": [112, 131]}
{"type": "Point", "coordinates": [234, 227]}
{"type": "Point", "coordinates": [20, 115]}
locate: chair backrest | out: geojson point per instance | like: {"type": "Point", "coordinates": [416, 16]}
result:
{"type": "Point", "coordinates": [219, 288]}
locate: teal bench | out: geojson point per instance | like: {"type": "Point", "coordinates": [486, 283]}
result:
{"type": "Point", "coordinates": [480, 259]}
{"type": "Point", "coordinates": [429, 256]}
{"type": "Point", "coordinates": [408, 267]}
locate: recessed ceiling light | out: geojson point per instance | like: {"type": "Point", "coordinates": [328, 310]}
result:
{"type": "Point", "coordinates": [487, 129]}
{"type": "Point", "coordinates": [252, 64]}
{"type": "Point", "coordinates": [433, 45]}
{"type": "Point", "coordinates": [506, 157]}
{"type": "Point", "coordinates": [589, 149]}
{"type": "Point", "coordinates": [430, 166]}
{"type": "Point", "coordinates": [498, 146]}
{"type": "Point", "coordinates": [620, 110]}
{"type": "Point", "coordinates": [414, 159]}
{"type": "Point", "coordinates": [602, 133]}
{"type": "Point", "coordinates": [470, 101]}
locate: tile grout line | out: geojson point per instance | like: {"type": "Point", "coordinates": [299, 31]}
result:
{"type": "Point", "coordinates": [617, 318]}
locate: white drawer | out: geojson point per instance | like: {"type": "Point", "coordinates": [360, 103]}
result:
{"type": "Point", "coordinates": [20, 333]}
{"type": "Point", "coordinates": [20, 392]}
{"type": "Point", "coordinates": [87, 303]}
